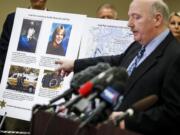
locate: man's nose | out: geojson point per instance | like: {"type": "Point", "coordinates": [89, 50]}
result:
{"type": "Point", "coordinates": [130, 22]}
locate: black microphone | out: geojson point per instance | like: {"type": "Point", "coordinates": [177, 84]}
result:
{"type": "Point", "coordinates": [117, 78]}
{"type": "Point", "coordinates": [88, 73]}
{"type": "Point", "coordinates": [80, 78]}
{"type": "Point", "coordinates": [75, 84]}
{"type": "Point", "coordinates": [84, 91]}
{"type": "Point", "coordinates": [109, 97]}
{"type": "Point", "coordinates": [121, 87]}
{"type": "Point", "coordinates": [140, 105]}
{"type": "Point", "coordinates": [99, 82]}
{"type": "Point", "coordinates": [112, 93]}
{"type": "Point", "coordinates": [93, 114]}
{"type": "Point", "coordinates": [82, 105]}
{"type": "Point", "coordinates": [106, 78]}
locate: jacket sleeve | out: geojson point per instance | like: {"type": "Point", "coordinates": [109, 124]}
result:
{"type": "Point", "coordinates": [81, 64]}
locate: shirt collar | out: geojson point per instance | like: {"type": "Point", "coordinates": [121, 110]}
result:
{"type": "Point", "coordinates": [157, 40]}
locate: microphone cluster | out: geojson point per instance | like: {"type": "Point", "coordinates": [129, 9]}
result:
{"type": "Point", "coordinates": [101, 82]}
{"type": "Point", "coordinates": [107, 86]}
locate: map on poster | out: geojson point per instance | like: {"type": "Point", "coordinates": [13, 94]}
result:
{"type": "Point", "coordinates": [104, 37]}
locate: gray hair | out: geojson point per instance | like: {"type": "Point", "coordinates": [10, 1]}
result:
{"type": "Point", "coordinates": [161, 7]}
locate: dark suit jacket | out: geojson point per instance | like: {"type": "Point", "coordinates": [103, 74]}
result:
{"type": "Point", "coordinates": [4, 39]}
{"type": "Point", "coordinates": [159, 74]}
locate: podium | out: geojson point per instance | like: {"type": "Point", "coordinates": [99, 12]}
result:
{"type": "Point", "coordinates": [44, 123]}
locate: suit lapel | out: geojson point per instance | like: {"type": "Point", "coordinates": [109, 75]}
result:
{"type": "Point", "coordinates": [148, 63]}
{"type": "Point", "coordinates": [141, 70]}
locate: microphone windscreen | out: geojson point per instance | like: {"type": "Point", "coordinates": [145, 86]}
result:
{"type": "Point", "coordinates": [145, 103]}
{"type": "Point", "coordinates": [119, 86]}
{"type": "Point", "coordinates": [87, 74]}
{"type": "Point", "coordinates": [122, 75]}
{"type": "Point", "coordinates": [86, 89]}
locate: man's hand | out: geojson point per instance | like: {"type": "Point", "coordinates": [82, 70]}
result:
{"type": "Point", "coordinates": [66, 66]}
{"type": "Point", "coordinates": [113, 118]}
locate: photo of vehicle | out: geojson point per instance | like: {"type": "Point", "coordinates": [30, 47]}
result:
{"type": "Point", "coordinates": [22, 81]}
{"type": "Point", "coordinates": [51, 79]}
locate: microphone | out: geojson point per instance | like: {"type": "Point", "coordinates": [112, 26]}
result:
{"type": "Point", "coordinates": [83, 92]}
{"type": "Point", "coordinates": [66, 95]}
{"type": "Point", "coordinates": [109, 98]}
{"type": "Point", "coordinates": [81, 77]}
{"type": "Point", "coordinates": [110, 94]}
{"type": "Point", "coordinates": [140, 105]}
{"type": "Point", "coordinates": [94, 113]}
{"type": "Point", "coordinates": [102, 80]}
{"type": "Point", "coordinates": [99, 82]}
{"type": "Point", "coordinates": [105, 78]}
{"type": "Point", "coordinates": [82, 106]}
{"type": "Point", "coordinates": [88, 73]}
{"type": "Point", "coordinates": [145, 103]}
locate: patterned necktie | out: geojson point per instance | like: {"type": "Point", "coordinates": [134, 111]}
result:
{"type": "Point", "coordinates": [137, 59]}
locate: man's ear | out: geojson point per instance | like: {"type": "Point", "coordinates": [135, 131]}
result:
{"type": "Point", "coordinates": [158, 19]}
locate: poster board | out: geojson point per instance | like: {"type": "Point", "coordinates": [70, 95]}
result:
{"type": "Point", "coordinates": [38, 39]}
